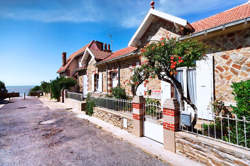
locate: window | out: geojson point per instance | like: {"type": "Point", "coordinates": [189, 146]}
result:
{"type": "Point", "coordinates": [187, 78]}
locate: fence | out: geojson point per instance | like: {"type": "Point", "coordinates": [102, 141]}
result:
{"type": "Point", "coordinates": [153, 111]}
{"type": "Point", "coordinates": [229, 129]}
{"type": "Point", "coordinates": [74, 95]}
{"type": "Point", "coordinates": [114, 104]}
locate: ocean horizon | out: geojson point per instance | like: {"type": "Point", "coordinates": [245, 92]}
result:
{"type": "Point", "coordinates": [21, 89]}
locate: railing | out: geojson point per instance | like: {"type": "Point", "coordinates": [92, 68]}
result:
{"type": "Point", "coordinates": [153, 111]}
{"type": "Point", "coordinates": [114, 104]}
{"type": "Point", "coordinates": [74, 95]}
{"type": "Point", "coordinates": [229, 129]}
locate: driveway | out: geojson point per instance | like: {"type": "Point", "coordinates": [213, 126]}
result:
{"type": "Point", "coordinates": [31, 134]}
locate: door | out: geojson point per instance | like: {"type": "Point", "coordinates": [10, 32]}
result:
{"type": "Point", "coordinates": [204, 81]}
{"type": "Point", "coordinates": [153, 127]}
{"type": "Point", "coordinates": [85, 86]}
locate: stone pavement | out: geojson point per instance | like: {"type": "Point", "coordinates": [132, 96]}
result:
{"type": "Point", "coordinates": [147, 145]}
{"type": "Point", "coordinates": [33, 133]}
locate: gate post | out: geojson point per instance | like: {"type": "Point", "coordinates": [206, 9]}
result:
{"type": "Point", "coordinates": [171, 118]}
{"type": "Point", "coordinates": [138, 115]}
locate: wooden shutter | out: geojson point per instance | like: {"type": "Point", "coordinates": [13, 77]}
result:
{"type": "Point", "coordinates": [205, 87]}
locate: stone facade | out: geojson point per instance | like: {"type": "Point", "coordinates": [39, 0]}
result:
{"type": "Point", "coordinates": [114, 118]}
{"type": "Point", "coordinates": [210, 152]}
{"type": "Point", "coordinates": [232, 62]}
{"type": "Point", "coordinates": [158, 29]}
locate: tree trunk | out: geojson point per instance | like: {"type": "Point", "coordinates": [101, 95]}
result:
{"type": "Point", "coordinates": [182, 98]}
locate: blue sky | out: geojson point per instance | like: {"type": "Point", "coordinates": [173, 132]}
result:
{"type": "Point", "coordinates": [34, 33]}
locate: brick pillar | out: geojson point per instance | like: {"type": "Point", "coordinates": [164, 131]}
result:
{"type": "Point", "coordinates": [171, 116]}
{"type": "Point", "coordinates": [138, 115]}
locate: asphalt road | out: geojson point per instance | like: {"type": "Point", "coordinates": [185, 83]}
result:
{"type": "Point", "coordinates": [31, 134]}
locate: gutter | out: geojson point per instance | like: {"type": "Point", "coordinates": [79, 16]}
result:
{"type": "Point", "coordinates": [119, 57]}
{"type": "Point", "coordinates": [223, 27]}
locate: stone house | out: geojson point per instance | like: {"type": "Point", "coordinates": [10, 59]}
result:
{"type": "Point", "coordinates": [98, 70]}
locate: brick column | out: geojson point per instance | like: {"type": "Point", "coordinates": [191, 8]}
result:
{"type": "Point", "coordinates": [171, 116]}
{"type": "Point", "coordinates": [138, 115]}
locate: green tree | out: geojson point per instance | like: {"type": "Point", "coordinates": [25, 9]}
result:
{"type": "Point", "coordinates": [3, 90]}
{"type": "Point", "coordinates": [59, 84]}
{"type": "Point", "coordinates": [45, 86]}
{"type": "Point", "coordinates": [35, 89]}
{"type": "Point", "coordinates": [162, 60]}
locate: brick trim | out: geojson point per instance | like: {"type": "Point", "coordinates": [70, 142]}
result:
{"type": "Point", "coordinates": [170, 126]}
{"type": "Point", "coordinates": [170, 112]}
{"type": "Point", "coordinates": [137, 117]}
{"type": "Point", "coordinates": [137, 105]}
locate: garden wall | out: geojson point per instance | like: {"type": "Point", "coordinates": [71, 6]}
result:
{"type": "Point", "coordinates": [115, 118]}
{"type": "Point", "coordinates": [210, 152]}
{"type": "Point", "coordinates": [75, 104]}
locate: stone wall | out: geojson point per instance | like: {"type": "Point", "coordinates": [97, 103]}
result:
{"type": "Point", "coordinates": [75, 104]}
{"type": "Point", "coordinates": [114, 118]}
{"type": "Point", "coordinates": [158, 29]}
{"type": "Point", "coordinates": [210, 152]}
{"type": "Point", "coordinates": [232, 62]}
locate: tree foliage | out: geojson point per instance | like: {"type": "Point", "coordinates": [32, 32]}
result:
{"type": "Point", "coordinates": [60, 83]}
{"type": "Point", "coordinates": [119, 93]}
{"type": "Point", "coordinates": [3, 90]}
{"type": "Point", "coordinates": [35, 89]}
{"type": "Point", "coordinates": [162, 60]}
{"type": "Point", "coordinates": [2, 87]}
{"type": "Point", "coordinates": [45, 86]}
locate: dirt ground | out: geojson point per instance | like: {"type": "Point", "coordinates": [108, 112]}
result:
{"type": "Point", "coordinates": [31, 134]}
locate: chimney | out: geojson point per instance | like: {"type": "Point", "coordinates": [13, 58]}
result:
{"type": "Point", "coordinates": [109, 50]}
{"type": "Point", "coordinates": [64, 58]}
{"type": "Point", "coordinates": [105, 49]}
{"type": "Point", "coordinates": [152, 4]}
{"type": "Point", "coordinates": [99, 45]}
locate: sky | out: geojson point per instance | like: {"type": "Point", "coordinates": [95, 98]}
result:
{"type": "Point", "coordinates": [34, 33]}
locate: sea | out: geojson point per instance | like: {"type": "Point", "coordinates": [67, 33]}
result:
{"type": "Point", "coordinates": [20, 89]}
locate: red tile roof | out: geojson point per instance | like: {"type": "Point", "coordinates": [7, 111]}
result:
{"type": "Point", "coordinates": [119, 53]}
{"type": "Point", "coordinates": [71, 58]}
{"type": "Point", "coordinates": [100, 55]}
{"type": "Point", "coordinates": [234, 14]}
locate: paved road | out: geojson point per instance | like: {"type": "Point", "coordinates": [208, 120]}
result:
{"type": "Point", "coordinates": [33, 135]}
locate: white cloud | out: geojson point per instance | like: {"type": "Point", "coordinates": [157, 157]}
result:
{"type": "Point", "coordinates": [184, 7]}
{"type": "Point", "coordinates": [126, 13]}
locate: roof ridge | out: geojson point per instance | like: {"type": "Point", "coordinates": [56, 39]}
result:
{"type": "Point", "coordinates": [248, 2]}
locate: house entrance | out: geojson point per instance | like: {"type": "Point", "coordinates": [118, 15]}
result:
{"type": "Point", "coordinates": [153, 128]}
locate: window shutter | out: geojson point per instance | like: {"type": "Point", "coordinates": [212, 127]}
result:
{"type": "Point", "coordinates": [204, 81]}
{"type": "Point", "coordinates": [93, 82]}
{"type": "Point", "coordinates": [100, 83]}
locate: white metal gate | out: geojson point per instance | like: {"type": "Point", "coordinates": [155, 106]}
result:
{"type": "Point", "coordinates": [153, 128]}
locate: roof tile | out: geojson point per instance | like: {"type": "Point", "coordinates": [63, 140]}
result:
{"type": "Point", "coordinates": [234, 14]}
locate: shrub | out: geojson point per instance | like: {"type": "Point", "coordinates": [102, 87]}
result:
{"type": "Point", "coordinates": [35, 89]}
{"type": "Point", "coordinates": [90, 104]}
{"type": "Point", "coordinates": [241, 92]}
{"type": "Point", "coordinates": [119, 93]}
{"type": "Point", "coordinates": [3, 90]}
{"type": "Point", "coordinates": [2, 87]}
{"type": "Point", "coordinates": [45, 86]}
{"type": "Point", "coordinates": [60, 83]}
